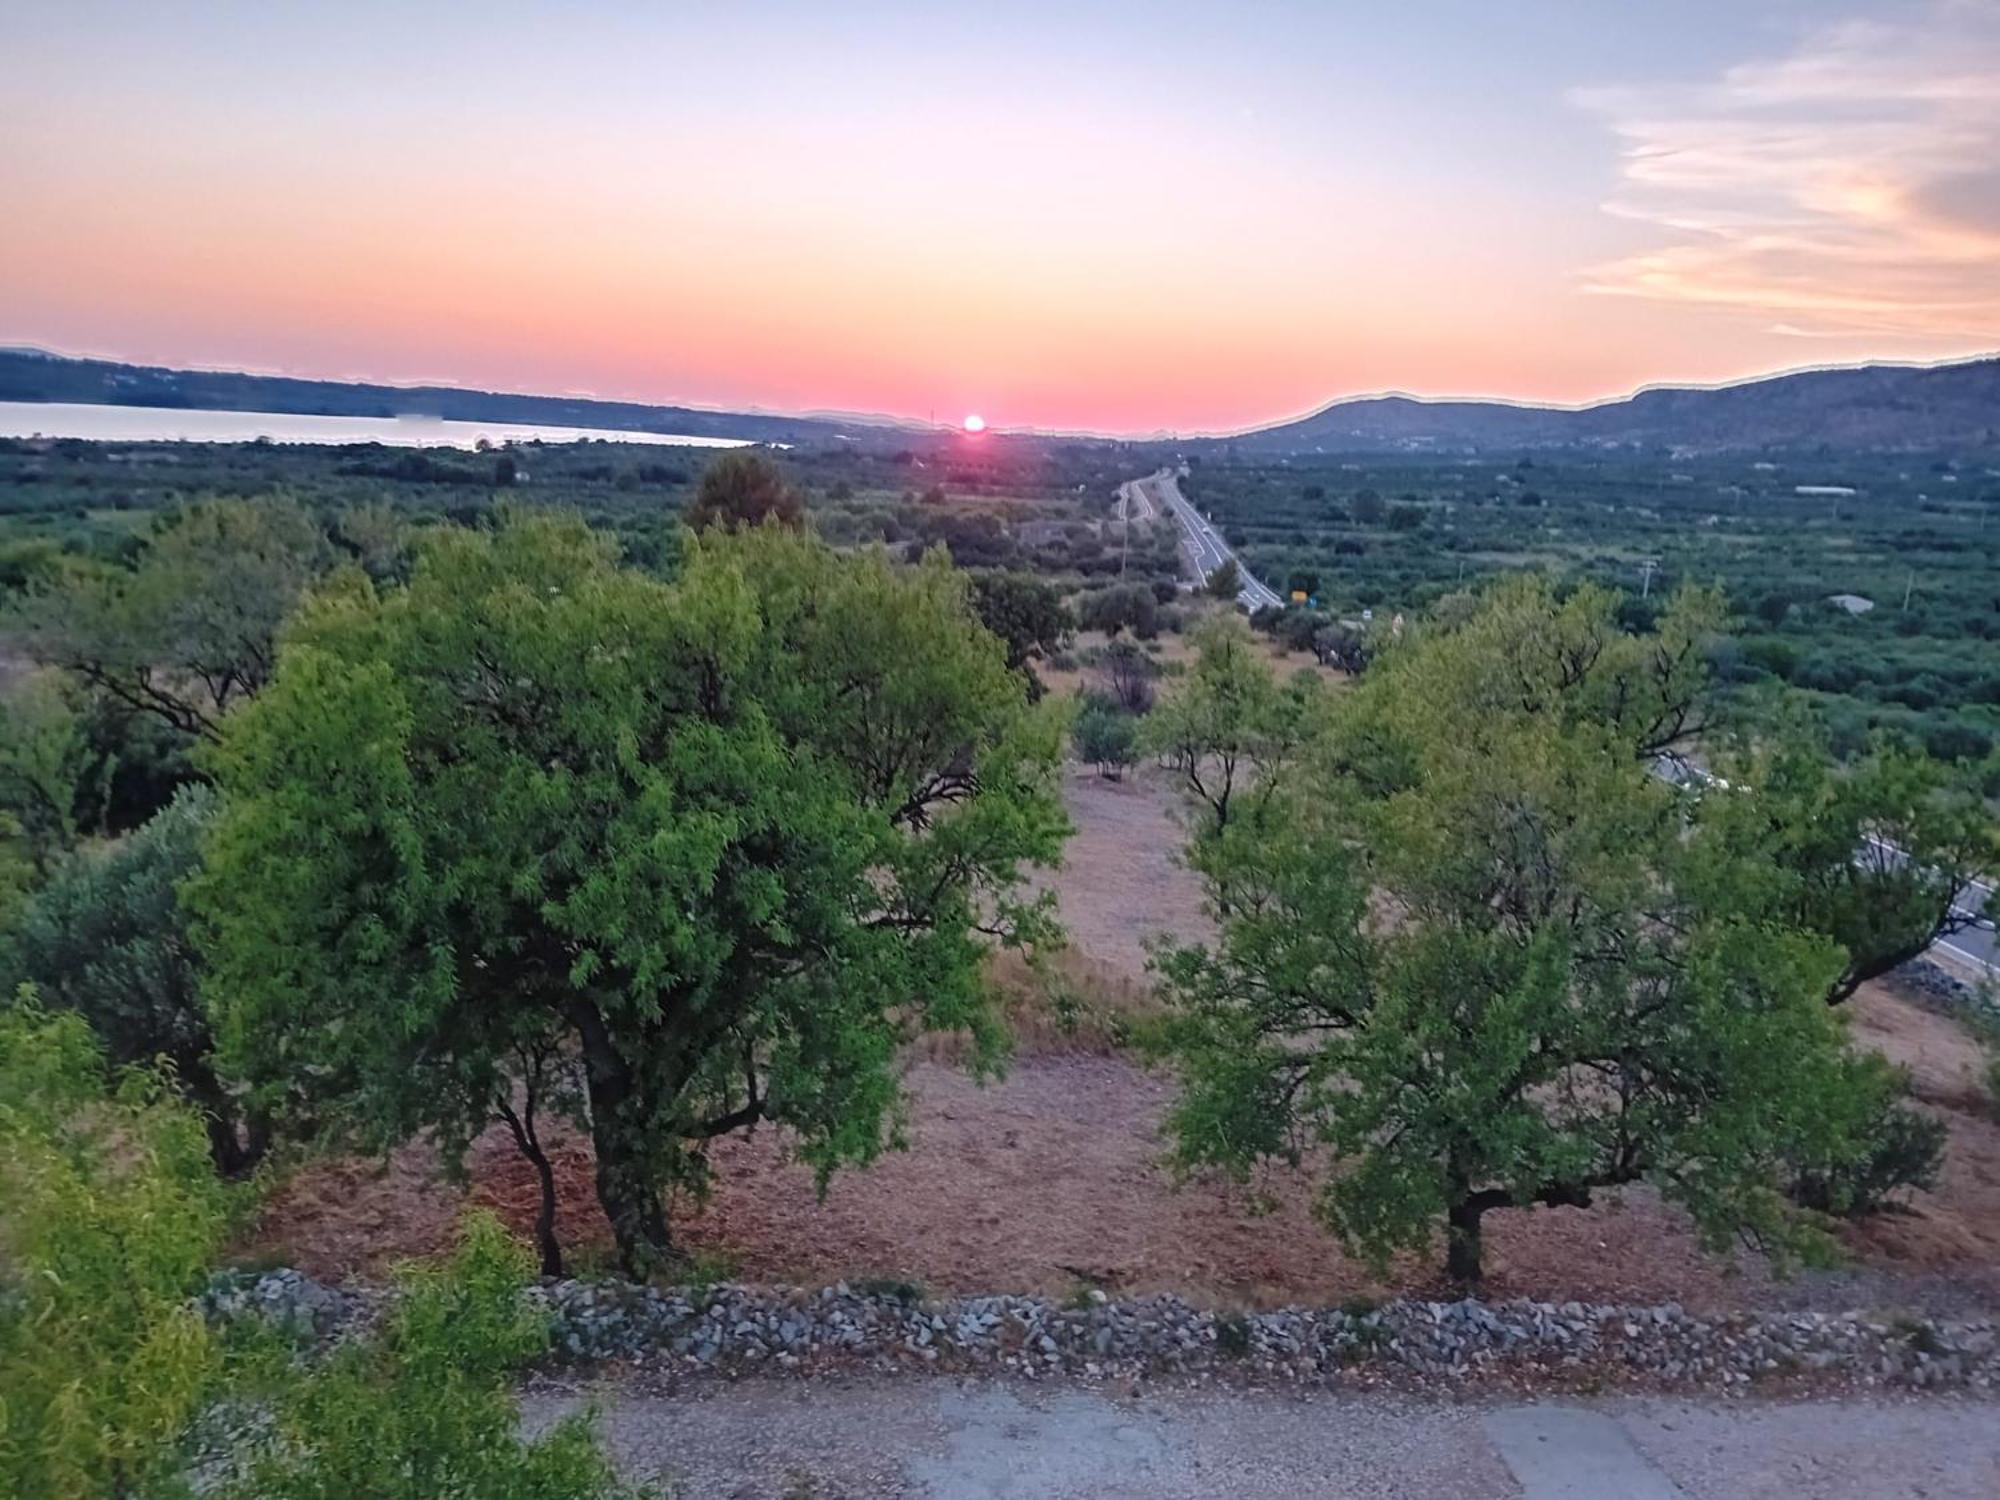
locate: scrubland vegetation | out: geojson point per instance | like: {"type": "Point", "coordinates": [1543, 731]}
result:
{"type": "Point", "coordinates": [359, 798]}
{"type": "Point", "coordinates": [1914, 536]}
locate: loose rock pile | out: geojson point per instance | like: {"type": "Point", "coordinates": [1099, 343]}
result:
{"type": "Point", "coordinates": [288, 1299]}
{"type": "Point", "coordinates": [738, 1329]}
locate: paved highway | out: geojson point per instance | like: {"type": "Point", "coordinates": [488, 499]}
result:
{"type": "Point", "coordinates": [1202, 546]}
{"type": "Point", "coordinates": [1975, 944]}
{"type": "Point", "coordinates": [1972, 945]}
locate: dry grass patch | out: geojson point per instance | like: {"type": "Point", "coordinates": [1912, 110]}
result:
{"type": "Point", "coordinates": [1063, 1003]}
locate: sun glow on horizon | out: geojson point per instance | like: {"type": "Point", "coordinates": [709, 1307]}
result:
{"type": "Point", "coordinates": [1663, 201]}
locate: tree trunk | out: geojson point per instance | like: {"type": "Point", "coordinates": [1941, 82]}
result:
{"type": "Point", "coordinates": [1462, 1243]}
{"type": "Point", "coordinates": [223, 1147]}
{"type": "Point", "coordinates": [625, 1189]}
{"type": "Point", "coordinates": [630, 1200]}
{"type": "Point", "coordinates": [528, 1142]}
{"type": "Point", "coordinates": [233, 1155]}
{"type": "Point", "coordinates": [256, 1135]}
{"type": "Point", "coordinates": [546, 1243]}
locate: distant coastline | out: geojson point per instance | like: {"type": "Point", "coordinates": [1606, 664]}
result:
{"type": "Point", "coordinates": [102, 422]}
{"type": "Point", "coordinates": [33, 376]}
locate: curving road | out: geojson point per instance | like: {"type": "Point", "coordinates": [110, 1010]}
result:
{"type": "Point", "coordinates": [1202, 546]}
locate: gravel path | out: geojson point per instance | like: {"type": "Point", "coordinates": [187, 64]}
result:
{"type": "Point", "coordinates": [834, 1439]}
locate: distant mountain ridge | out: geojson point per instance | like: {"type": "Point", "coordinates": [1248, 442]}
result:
{"type": "Point", "coordinates": [36, 375]}
{"type": "Point", "coordinates": [1865, 407]}
{"type": "Point", "coordinates": [1874, 407]}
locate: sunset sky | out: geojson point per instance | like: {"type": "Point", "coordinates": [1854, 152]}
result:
{"type": "Point", "coordinates": [1114, 217]}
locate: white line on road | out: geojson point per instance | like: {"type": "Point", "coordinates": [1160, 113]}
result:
{"type": "Point", "coordinates": [1205, 549]}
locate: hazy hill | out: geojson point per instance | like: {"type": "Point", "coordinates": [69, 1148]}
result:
{"type": "Point", "coordinates": [33, 375]}
{"type": "Point", "coordinates": [1874, 406]}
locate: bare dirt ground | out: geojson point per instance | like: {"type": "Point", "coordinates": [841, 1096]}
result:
{"type": "Point", "coordinates": [1122, 882]}
{"type": "Point", "coordinates": [1053, 1175]}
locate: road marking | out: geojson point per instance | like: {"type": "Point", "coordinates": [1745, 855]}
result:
{"type": "Point", "coordinates": [1678, 770]}
{"type": "Point", "coordinates": [1206, 550]}
{"type": "Point", "coordinates": [1573, 1453]}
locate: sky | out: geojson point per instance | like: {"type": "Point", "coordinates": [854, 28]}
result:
{"type": "Point", "coordinates": [1109, 217]}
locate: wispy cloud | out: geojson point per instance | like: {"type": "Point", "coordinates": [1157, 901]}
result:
{"type": "Point", "coordinates": [1850, 187]}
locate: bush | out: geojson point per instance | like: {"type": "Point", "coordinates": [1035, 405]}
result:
{"type": "Point", "coordinates": [112, 1217]}
{"type": "Point", "coordinates": [1126, 606]}
{"type": "Point", "coordinates": [1955, 739]}
{"type": "Point", "coordinates": [743, 488]}
{"type": "Point", "coordinates": [1904, 1150]}
{"type": "Point", "coordinates": [108, 939]}
{"type": "Point", "coordinates": [108, 1372]}
{"type": "Point", "coordinates": [425, 1409]}
{"type": "Point", "coordinates": [1130, 673]}
{"type": "Point", "coordinates": [1106, 738]}
{"type": "Point", "coordinates": [1297, 629]}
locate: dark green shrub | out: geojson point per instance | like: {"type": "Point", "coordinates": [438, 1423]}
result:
{"type": "Point", "coordinates": [1905, 1150]}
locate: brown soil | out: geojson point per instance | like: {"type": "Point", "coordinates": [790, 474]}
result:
{"type": "Point", "coordinates": [1053, 1174]}
{"type": "Point", "coordinates": [1955, 1229]}
{"type": "Point", "coordinates": [1122, 884]}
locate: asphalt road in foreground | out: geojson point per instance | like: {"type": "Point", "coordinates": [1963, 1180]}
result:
{"type": "Point", "coordinates": [1201, 544]}
{"type": "Point", "coordinates": [936, 1436]}
{"type": "Point", "coordinates": [1976, 945]}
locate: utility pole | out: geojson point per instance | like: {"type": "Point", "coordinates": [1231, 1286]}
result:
{"type": "Point", "coordinates": [1646, 577]}
{"type": "Point", "coordinates": [1909, 586]}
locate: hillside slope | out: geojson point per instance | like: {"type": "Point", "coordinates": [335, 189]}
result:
{"type": "Point", "coordinates": [32, 375]}
{"type": "Point", "coordinates": [1870, 407]}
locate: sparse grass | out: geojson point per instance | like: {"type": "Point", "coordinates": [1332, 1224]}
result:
{"type": "Point", "coordinates": [707, 1268]}
{"type": "Point", "coordinates": [595, 1261]}
{"type": "Point", "coordinates": [1059, 1003]}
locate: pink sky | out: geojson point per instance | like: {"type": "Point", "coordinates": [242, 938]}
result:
{"type": "Point", "coordinates": [1131, 221]}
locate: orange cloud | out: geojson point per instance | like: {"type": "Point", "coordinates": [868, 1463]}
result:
{"type": "Point", "coordinates": [1847, 188]}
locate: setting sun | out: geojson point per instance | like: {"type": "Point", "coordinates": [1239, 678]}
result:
{"type": "Point", "coordinates": [975, 423]}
